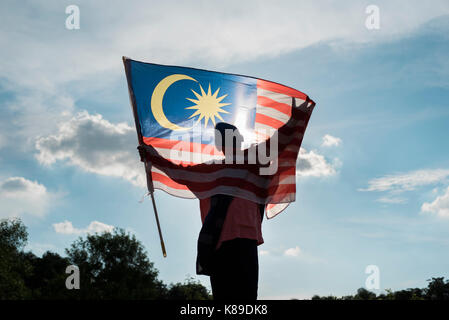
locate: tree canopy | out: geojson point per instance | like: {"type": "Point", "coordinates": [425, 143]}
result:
{"type": "Point", "coordinates": [111, 265]}
{"type": "Point", "coordinates": [437, 289]}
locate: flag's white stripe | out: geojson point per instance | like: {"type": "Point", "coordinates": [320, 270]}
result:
{"type": "Point", "coordinates": [296, 123]}
{"type": "Point", "coordinates": [273, 113]}
{"type": "Point", "coordinates": [175, 192]}
{"type": "Point", "coordinates": [276, 209]}
{"type": "Point", "coordinates": [232, 191]}
{"type": "Point", "coordinates": [278, 97]}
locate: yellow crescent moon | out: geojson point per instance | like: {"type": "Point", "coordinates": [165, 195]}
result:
{"type": "Point", "coordinates": [158, 96]}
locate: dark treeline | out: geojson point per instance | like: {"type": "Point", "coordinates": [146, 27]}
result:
{"type": "Point", "coordinates": [111, 266]}
{"type": "Point", "coordinates": [116, 266]}
{"type": "Point", "coordinates": [437, 289]}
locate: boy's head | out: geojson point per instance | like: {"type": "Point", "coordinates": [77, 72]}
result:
{"type": "Point", "coordinates": [223, 130]}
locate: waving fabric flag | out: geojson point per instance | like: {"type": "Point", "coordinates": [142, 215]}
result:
{"type": "Point", "coordinates": [176, 109]}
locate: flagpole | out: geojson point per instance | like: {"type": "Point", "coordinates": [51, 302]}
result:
{"type": "Point", "coordinates": [147, 164]}
{"type": "Point", "coordinates": [151, 191]}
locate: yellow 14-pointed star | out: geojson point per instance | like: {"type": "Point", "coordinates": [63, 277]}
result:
{"type": "Point", "coordinates": [208, 106]}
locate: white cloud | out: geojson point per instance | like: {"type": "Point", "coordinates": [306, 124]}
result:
{"type": "Point", "coordinates": [95, 145]}
{"type": "Point", "coordinates": [20, 196]}
{"type": "Point", "coordinates": [296, 252]}
{"type": "Point", "coordinates": [440, 206]}
{"type": "Point", "coordinates": [409, 181]}
{"type": "Point", "coordinates": [67, 227]}
{"type": "Point", "coordinates": [392, 200]}
{"type": "Point", "coordinates": [312, 164]}
{"type": "Point", "coordinates": [293, 252]}
{"type": "Point", "coordinates": [330, 141]}
{"type": "Point", "coordinates": [99, 227]}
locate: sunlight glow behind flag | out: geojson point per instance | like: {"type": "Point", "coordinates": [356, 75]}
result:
{"type": "Point", "coordinates": [178, 107]}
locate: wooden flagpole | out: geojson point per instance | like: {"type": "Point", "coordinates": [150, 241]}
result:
{"type": "Point", "coordinates": [147, 164]}
{"type": "Point", "coordinates": [151, 191]}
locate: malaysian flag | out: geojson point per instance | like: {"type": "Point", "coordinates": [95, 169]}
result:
{"type": "Point", "coordinates": [176, 109]}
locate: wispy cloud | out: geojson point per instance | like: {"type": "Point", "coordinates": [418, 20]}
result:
{"type": "Point", "coordinates": [392, 200]}
{"type": "Point", "coordinates": [393, 185]}
{"type": "Point", "coordinates": [67, 227]}
{"type": "Point", "coordinates": [409, 181]}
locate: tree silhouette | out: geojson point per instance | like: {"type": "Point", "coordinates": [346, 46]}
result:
{"type": "Point", "coordinates": [47, 280]}
{"type": "Point", "coordinates": [437, 289]}
{"type": "Point", "coordinates": [190, 290]}
{"type": "Point", "coordinates": [114, 266]}
{"type": "Point", "coordinates": [13, 267]}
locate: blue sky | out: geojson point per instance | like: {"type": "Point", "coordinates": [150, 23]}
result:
{"type": "Point", "coordinates": [373, 175]}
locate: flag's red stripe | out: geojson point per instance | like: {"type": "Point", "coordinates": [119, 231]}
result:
{"type": "Point", "coordinates": [272, 205]}
{"type": "Point", "coordinates": [279, 192]}
{"type": "Point", "coordinates": [288, 155]}
{"type": "Point", "coordinates": [167, 181]}
{"type": "Point", "coordinates": [270, 103]}
{"type": "Point", "coordinates": [182, 145]}
{"type": "Point", "coordinates": [286, 171]}
{"type": "Point", "coordinates": [275, 87]}
{"type": "Point", "coordinates": [269, 121]}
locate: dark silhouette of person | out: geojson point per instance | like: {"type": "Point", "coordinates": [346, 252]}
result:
{"type": "Point", "coordinates": [231, 230]}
